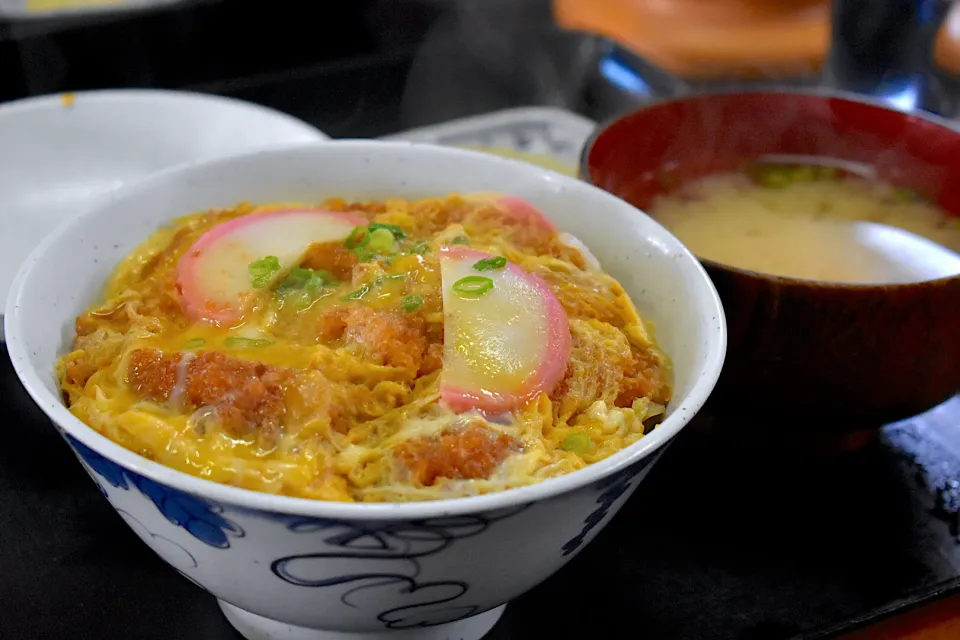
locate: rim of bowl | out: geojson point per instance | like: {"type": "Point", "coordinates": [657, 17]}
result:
{"type": "Point", "coordinates": [56, 410]}
{"type": "Point", "coordinates": [819, 92]}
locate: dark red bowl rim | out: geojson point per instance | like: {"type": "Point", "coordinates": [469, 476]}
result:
{"type": "Point", "coordinates": [820, 92]}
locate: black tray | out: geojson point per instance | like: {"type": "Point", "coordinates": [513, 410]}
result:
{"type": "Point", "coordinates": [722, 540]}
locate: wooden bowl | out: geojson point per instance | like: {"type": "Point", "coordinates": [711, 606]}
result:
{"type": "Point", "coordinates": [802, 354]}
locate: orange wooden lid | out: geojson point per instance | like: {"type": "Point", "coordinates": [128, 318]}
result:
{"type": "Point", "coordinates": [712, 38]}
{"type": "Point", "coordinates": [947, 48]}
{"type": "Point", "coordinates": [729, 38]}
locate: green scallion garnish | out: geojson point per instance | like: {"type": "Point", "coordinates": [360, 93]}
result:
{"type": "Point", "coordinates": [578, 442]}
{"type": "Point", "coordinates": [411, 303]}
{"type": "Point", "coordinates": [310, 279]}
{"type": "Point", "coordinates": [472, 286]}
{"type": "Point", "coordinates": [263, 270]}
{"type": "Point", "coordinates": [394, 230]}
{"type": "Point", "coordinates": [363, 254]}
{"type": "Point", "coordinates": [298, 299]}
{"type": "Point", "coordinates": [421, 248]}
{"type": "Point", "coordinates": [359, 237]}
{"type": "Point", "coordinates": [490, 264]}
{"type": "Point", "coordinates": [194, 343]}
{"type": "Point", "coordinates": [460, 240]}
{"type": "Point", "coordinates": [381, 241]}
{"type": "Point", "coordinates": [246, 343]}
{"type": "Point", "coordinates": [774, 176]}
{"type": "Point", "coordinates": [903, 194]}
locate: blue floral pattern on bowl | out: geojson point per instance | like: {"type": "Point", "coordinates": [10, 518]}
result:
{"type": "Point", "coordinates": [200, 517]}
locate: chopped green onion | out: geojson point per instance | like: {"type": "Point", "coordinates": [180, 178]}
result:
{"type": "Point", "coordinates": [804, 173]}
{"type": "Point", "coordinates": [778, 175]}
{"type": "Point", "coordinates": [297, 279]}
{"type": "Point", "coordinates": [311, 279]}
{"type": "Point", "coordinates": [246, 343]}
{"type": "Point", "coordinates": [381, 241]}
{"type": "Point", "coordinates": [578, 442]}
{"type": "Point", "coordinates": [903, 194]}
{"type": "Point", "coordinates": [194, 343]}
{"type": "Point", "coordinates": [827, 173]}
{"type": "Point", "coordinates": [298, 299]}
{"type": "Point", "coordinates": [319, 279]}
{"type": "Point", "coordinates": [773, 176]}
{"type": "Point", "coordinates": [421, 248]}
{"type": "Point", "coordinates": [472, 286]}
{"type": "Point", "coordinates": [262, 270]}
{"type": "Point", "coordinates": [489, 264]}
{"type": "Point", "coordinates": [363, 254]}
{"type": "Point", "coordinates": [359, 237]}
{"type": "Point", "coordinates": [460, 240]}
{"type": "Point", "coordinates": [411, 303]}
{"type": "Point", "coordinates": [394, 230]}
{"type": "Point", "coordinates": [359, 293]}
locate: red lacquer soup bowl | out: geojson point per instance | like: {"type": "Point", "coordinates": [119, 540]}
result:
{"type": "Point", "coordinates": [806, 354]}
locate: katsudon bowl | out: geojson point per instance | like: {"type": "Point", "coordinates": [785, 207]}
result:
{"type": "Point", "coordinates": [288, 567]}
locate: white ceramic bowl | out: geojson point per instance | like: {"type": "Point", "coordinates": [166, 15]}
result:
{"type": "Point", "coordinates": [293, 568]}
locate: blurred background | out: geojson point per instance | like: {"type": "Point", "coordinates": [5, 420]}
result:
{"type": "Point", "coordinates": [365, 67]}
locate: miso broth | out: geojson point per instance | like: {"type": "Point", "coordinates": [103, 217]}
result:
{"type": "Point", "coordinates": [813, 222]}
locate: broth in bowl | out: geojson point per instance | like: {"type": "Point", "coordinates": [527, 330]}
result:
{"type": "Point", "coordinates": [813, 221]}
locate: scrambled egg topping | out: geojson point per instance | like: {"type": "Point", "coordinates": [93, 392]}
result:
{"type": "Point", "coordinates": [329, 388]}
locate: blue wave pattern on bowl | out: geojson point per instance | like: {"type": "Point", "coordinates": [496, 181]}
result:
{"type": "Point", "coordinates": [397, 548]}
{"type": "Point", "coordinates": [201, 518]}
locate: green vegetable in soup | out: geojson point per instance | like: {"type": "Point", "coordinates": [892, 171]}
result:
{"type": "Point", "coordinates": [775, 175]}
{"type": "Point", "coordinates": [903, 194]}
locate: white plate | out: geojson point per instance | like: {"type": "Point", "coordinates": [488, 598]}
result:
{"type": "Point", "coordinates": [547, 131]}
{"type": "Point", "coordinates": [46, 9]}
{"type": "Point", "coordinates": [60, 154]}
